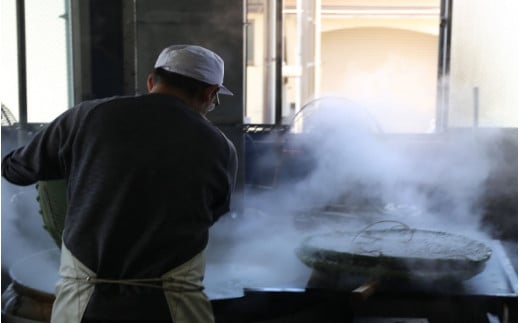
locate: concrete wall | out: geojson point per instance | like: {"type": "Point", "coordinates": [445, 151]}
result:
{"type": "Point", "coordinates": [485, 55]}
{"type": "Point", "coordinates": [217, 25]}
{"type": "Point", "coordinates": [392, 72]}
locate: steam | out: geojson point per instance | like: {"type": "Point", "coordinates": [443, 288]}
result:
{"type": "Point", "coordinates": [22, 226]}
{"type": "Point", "coordinates": [443, 176]}
{"type": "Point", "coordinates": [431, 182]}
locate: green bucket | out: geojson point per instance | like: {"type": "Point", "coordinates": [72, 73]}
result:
{"type": "Point", "coordinates": [52, 197]}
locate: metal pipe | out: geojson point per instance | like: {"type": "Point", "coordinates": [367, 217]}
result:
{"type": "Point", "coordinates": [269, 66]}
{"type": "Point", "coordinates": [130, 57]}
{"type": "Point", "coordinates": [317, 47]}
{"type": "Point", "coordinates": [81, 52]}
{"type": "Point", "coordinates": [298, 56]}
{"type": "Point", "coordinates": [309, 50]}
{"type": "Point", "coordinates": [475, 106]}
{"type": "Point", "coordinates": [441, 120]}
{"type": "Point", "coordinates": [278, 63]}
{"type": "Point", "coordinates": [22, 64]}
{"type": "Point", "coordinates": [68, 46]}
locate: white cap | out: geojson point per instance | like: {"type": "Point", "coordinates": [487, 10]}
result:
{"type": "Point", "coordinates": [195, 62]}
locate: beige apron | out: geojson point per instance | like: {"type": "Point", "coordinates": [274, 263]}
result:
{"type": "Point", "coordinates": [182, 287]}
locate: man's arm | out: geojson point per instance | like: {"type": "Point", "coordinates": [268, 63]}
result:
{"type": "Point", "coordinates": [231, 174]}
{"type": "Point", "coordinates": [42, 157]}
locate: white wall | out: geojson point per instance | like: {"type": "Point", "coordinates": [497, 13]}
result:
{"type": "Point", "coordinates": [485, 54]}
{"type": "Point", "coordinates": [393, 72]}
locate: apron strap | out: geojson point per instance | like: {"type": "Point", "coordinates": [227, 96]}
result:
{"type": "Point", "coordinates": [174, 285]}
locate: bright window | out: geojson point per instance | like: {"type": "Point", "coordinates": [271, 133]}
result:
{"type": "Point", "coordinates": [387, 57]}
{"type": "Point", "coordinates": [46, 59]}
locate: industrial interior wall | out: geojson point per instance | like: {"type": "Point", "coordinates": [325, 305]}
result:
{"type": "Point", "coordinates": [217, 25]}
{"type": "Point", "coordinates": [484, 65]}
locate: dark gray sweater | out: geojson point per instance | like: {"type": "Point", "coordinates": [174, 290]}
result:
{"type": "Point", "coordinates": [146, 178]}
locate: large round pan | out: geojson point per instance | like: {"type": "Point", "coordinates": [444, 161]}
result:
{"type": "Point", "coordinates": [396, 253]}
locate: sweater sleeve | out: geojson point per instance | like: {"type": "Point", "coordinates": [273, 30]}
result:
{"type": "Point", "coordinates": [232, 166]}
{"type": "Point", "coordinates": [231, 174]}
{"type": "Point", "coordinates": [43, 157]}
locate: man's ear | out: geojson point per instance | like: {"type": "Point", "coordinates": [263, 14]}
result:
{"type": "Point", "coordinates": [209, 92]}
{"type": "Point", "coordinates": [149, 82]}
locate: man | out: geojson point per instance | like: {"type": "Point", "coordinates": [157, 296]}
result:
{"type": "Point", "coordinates": [146, 178]}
